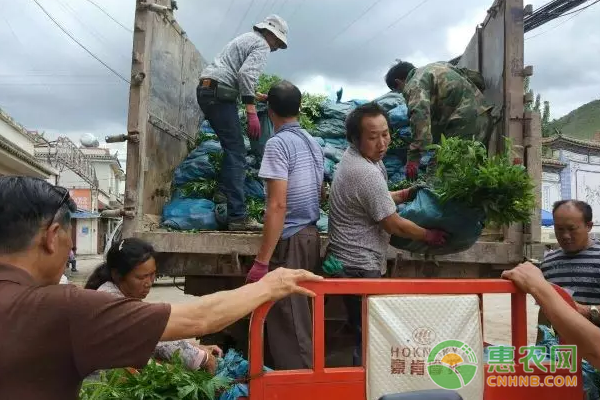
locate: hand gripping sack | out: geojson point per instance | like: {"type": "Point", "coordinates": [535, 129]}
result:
{"type": "Point", "coordinates": [463, 224]}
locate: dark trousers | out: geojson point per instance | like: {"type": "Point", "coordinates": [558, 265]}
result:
{"type": "Point", "coordinates": [354, 310]}
{"type": "Point", "coordinates": [73, 264]}
{"type": "Point", "coordinates": [289, 322]}
{"type": "Point", "coordinates": [223, 118]}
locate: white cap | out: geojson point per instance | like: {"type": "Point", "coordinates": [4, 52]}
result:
{"type": "Point", "coordinates": [277, 26]}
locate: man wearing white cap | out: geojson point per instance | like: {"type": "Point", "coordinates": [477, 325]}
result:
{"type": "Point", "coordinates": [234, 73]}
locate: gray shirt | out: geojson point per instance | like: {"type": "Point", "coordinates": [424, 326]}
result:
{"type": "Point", "coordinates": [359, 199]}
{"type": "Point", "coordinates": [240, 63]}
{"type": "Point", "coordinates": [294, 156]}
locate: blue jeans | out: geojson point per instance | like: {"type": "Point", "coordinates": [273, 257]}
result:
{"type": "Point", "coordinates": [223, 118]}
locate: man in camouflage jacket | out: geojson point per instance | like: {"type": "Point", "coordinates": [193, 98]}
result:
{"type": "Point", "coordinates": [441, 99]}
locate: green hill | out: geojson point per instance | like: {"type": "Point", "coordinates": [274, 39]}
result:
{"type": "Point", "coordinates": [581, 123]}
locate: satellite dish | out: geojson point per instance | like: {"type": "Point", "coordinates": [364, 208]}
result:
{"type": "Point", "coordinates": [89, 140]}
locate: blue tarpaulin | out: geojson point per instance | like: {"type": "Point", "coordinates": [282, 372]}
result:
{"type": "Point", "coordinates": [547, 219]}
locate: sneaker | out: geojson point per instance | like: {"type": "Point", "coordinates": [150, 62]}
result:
{"type": "Point", "coordinates": [248, 224]}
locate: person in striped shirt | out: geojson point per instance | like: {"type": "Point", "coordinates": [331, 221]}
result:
{"type": "Point", "coordinates": [575, 266]}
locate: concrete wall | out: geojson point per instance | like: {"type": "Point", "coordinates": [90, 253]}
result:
{"type": "Point", "coordinates": [580, 180]}
{"type": "Point", "coordinates": [16, 137]}
{"type": "Point", "coordinates": [551, 189]}
{"type": "Point", "coordinates": [87, 236]}
{"type": "Point", "coordinates": [71, 180]}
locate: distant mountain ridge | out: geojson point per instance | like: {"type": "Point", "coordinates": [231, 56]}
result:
{"type": "Point", "coordinates": [581, 123]}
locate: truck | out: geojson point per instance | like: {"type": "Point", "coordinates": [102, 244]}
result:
{"type": "Point", "coordinates": [163, 121]}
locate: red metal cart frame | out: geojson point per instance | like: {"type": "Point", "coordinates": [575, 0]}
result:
{"type": "Point", "coordinates": [349, 383]}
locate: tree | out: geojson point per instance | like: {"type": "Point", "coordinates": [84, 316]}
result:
{"type": "Point", "coordinates": [546, 130]}
{"type": "Point", "coordinates": [537, 105]}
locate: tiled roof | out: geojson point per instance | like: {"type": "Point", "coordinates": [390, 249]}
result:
{"type": "Point", "coordinates": [552, 162]}
{"type": "Point", "coordinates": [591, 144]}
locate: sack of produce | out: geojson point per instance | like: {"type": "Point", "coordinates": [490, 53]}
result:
{"type": "Point", "coordinates": [467, 190]}
{"type": "Point", "coordinates": [199, 164]}
{"type": "Point", "coordinates": [463, 224]}
{"type": "Point", "coordinates": [190, 214]}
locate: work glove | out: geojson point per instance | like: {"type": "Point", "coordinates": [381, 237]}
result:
{"type": "Point", "coordinates": [257, 271]}
{"type": "Point", "coordinates": [435, 237]}
{"type": "Point", "coordinates": [412, 170]}
{"type": "Point", "coordinates": [410, 193]}
{"type": "Point", "coordinates": [253, 126]}
{"type": "Point", "coordinates": [332, 266]}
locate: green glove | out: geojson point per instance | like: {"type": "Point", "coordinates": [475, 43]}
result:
{"type": "Point", "coordinates": [332, 266]}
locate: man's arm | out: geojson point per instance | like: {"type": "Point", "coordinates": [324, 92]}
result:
{"type": "Point", "coordinates": [398, 226]}
{"type": "Point", "coordinates": [215, 312]}
{"type": "Point", "coordinates": [570, 324]}
{"type": "Point", "coordinates": [248, 76]}
{"type": "Point", "coordinates": [418, 101]}
{"type": "Point", "coordinates": [274, 218]}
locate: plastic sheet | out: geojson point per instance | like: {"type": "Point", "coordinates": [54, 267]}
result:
{"type": "Point", "coordinates": [190, 214]}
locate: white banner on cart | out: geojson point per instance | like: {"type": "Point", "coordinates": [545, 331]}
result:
{"type": "Point", "coordinates": [424, 342]}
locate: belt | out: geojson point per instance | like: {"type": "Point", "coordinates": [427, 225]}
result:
{"type": "Point", "coordinates": [208, 83]}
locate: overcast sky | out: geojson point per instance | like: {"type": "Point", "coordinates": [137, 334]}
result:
{"type": "Point", "coordinates": [49, 83]}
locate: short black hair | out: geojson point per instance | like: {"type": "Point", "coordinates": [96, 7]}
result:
{"type": "Point", "coordinates": [582, 206]}
{"type": "Point", "coordinates": [399, 71]}
{"type": "Point", "coordinates": [26, 204]}
{"type": "Point", "coordinates": [122, 258]}
{"type": "Point", "coordinates": [354, 120]}
{"type": "Point", "coordinates": [285, 99]}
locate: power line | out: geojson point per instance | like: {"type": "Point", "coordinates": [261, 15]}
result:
{"type": "Point", "coordinates": [243, 18]}
{"type": "Point", "coordinates": [88, 28]}
{"type": "Point", "coordinates": [80, 45]}
{"type": "Point", "coordinates": [109, 16]}
{"type": "Point", "coordinates": [555, 26]}
{"type": "Point", "coordinates": [260, 14]}
{"type": "Point", "coordinates": [218, 29]}
{"type": "Point", "coordinates": [300, 3]}
{"type": "Point", "coordinates": [356, 20]}
{"type": "Point", "coordinates": [12, 30]}
{"type": "Point", "coordinates": [581, 9]}
{"type": "Point", "coordinates": [396, 21]}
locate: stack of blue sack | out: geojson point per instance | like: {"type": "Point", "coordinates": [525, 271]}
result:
{"type": "Point", "coordinates": [233, 366]}
{"type": "Point", "coordinates": [190, 213]}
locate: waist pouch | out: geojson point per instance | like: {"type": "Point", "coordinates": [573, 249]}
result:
{"type": "Point", "coordinates": [217, 90]}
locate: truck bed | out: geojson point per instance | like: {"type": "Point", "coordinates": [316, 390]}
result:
{"type": "Point", "coordinates": [164, 117]}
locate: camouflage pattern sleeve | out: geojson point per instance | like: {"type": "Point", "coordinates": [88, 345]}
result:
{"type": "Point", "coordinates": [417, 93]}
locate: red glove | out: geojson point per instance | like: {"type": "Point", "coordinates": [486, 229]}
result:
{"type": "Point", "coordinates": [412, 170]}
{"type": "Point", "coordinates": [404, 195]}
{"type": "Point", "coordinates": [253, 126]}
{"type": "Point", "coordinates": [257, 271]}
{"type": "Point", "coordinates": [435, 237]}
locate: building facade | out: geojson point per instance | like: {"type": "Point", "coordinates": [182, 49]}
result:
{"type": "Point", "coordinates": [571, 170]}
{"type": "Point", "coordinates": [17, 151]}
{"type": "Point", "coordinates": [95, 179]}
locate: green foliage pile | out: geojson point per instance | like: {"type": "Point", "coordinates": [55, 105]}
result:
{"type": "Point", "coordinates": [464, 173]}
{"type": "Point", "coordinates": [169, 381]}
{"type": "Point", "coordinates": [310, 108]}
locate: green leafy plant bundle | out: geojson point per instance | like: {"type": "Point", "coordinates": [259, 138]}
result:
{"type": "Point", "coordinates": [169, 381]}
{"type": "Point", "coordinates": [464, 173]}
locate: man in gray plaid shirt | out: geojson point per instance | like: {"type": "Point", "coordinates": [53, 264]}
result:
{"type": "Point", "coordinates": [234, 74]}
